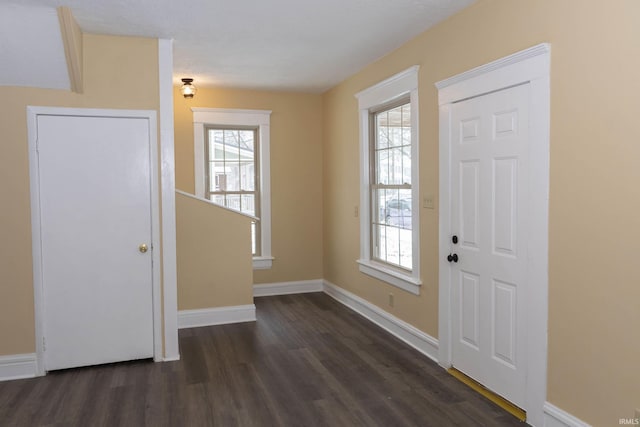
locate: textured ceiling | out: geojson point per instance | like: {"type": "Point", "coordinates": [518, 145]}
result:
{"type": "Point", "coordinates": [297, 45]}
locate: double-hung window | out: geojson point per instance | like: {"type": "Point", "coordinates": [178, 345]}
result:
{"type": "Point", "coordinates": [390, 199]}
{"type": "Point", "coordinates": [231, 166]}
{"type": "Point", "coordinates": [230, 172]}
{"type": "Point", "coordinates": [389, 221]}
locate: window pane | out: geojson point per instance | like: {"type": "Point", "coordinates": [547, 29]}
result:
{"type": "Point", "coordinates": [382, 167]}
{"type": "Point", "coordinates": [396, 165]}
{"type": "Point", "coordinates": [406, 124]}
{"type": "Point", "coordinates": [382, 131]}
{"type": "Point", "coordinates": [231, 138]}
{"type": "Point", "coordinates": [232, 201]}
{"type": "Point", "coordinates": [218, 199]}
{"type": "Point", "coordinates": [215, 144]}
{"type": "Point", "coordinates": [248, 204]}
{"type": "Point", "coordinates": [395, 136]}
{"type": "Point", "coordinates": [379, 199]}
{"type": "Point", "coordinates": [232, 172]}
{"type": "Point", "coordinates": [247, 176]}
{"type": "Point", "coordinates": [389, 243]}
{"type": "Point", "coordinates": [394, 127]}
{"type": "Point", "coordinates": [217, 177]}
{"type": "Point", "coordinates": [406, 164]}
{"type": "Point", "coordinates": [405, 248]}
{"type": "Point", "coordinates": [246, 139]}
{"type": "Point", "coordinates": [393, 245]}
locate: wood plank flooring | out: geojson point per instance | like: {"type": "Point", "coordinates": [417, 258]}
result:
{"type": "Point", "coordinates": [307, 361]}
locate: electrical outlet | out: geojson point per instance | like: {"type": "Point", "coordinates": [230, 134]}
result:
{"type": "Point", "coordinates": [428, 202]}
{"type": "Point", "coordinates": [390, 300]}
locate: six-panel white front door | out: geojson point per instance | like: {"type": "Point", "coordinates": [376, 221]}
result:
{"type": "Point", "coordinates": [95, 203]}
{"type": "Point", "coordinates": [489, 181]}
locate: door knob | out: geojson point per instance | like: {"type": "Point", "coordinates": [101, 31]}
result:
{"type": "Point", "coordinates": [452, 258]}
{"type": "Point", "coordinates": [143, 248]}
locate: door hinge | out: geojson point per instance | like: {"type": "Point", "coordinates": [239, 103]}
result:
{"type": "Point", "coordinates": [44, 344]}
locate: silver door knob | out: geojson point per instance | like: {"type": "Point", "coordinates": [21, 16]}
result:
{"type": "Point", "coordinates": [143, 248]}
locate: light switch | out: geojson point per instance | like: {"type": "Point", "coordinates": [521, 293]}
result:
{"type": "Point", "coordinates": [428, 201]}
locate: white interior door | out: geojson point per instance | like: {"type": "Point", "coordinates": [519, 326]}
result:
{"type": "Point", "coordinates": [489, 181]}
{"type": "Point", "coordinates": [95, 203]}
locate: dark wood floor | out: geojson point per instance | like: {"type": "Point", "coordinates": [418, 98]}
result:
{"type": "Point", "coordinates": [308, 361]}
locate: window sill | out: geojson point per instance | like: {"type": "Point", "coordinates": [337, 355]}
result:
{"type": "Point", "coordinates": [262, 262]}
{"type": "Point", "coordinates": [390, 276]}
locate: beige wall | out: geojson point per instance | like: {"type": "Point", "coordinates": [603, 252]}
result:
{"type": "Point", "coordinates": [213, 248]}
{"type": "Point", "coordinates": [296, 172]}
{"type": "Point", "coordinates": [594, 314]}
{"type": "Point", "coordinates": [595, 197]}
{"type": "Point", "coordinates": [109, 63]}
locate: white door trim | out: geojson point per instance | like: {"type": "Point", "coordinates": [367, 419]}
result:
{"type": "Point", "coordinates": [32, 126]}
{"type": "Point", "coordinates": [168, 188]}
{"type": "Point", "coordinates": [528, 66]}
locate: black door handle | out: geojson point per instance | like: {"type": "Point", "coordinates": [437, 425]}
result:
{"type": "Point", "coordinates": [452, 258]}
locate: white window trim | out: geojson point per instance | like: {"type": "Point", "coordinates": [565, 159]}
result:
{"type": "Point", "coordinates": [234, 117]}
{"type": "Point", "coordinates": [399, 85]}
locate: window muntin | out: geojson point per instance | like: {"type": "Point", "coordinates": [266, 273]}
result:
{"type": "Point", "coordinates": [231, 172]}
{"type": "Point", "coordinates": [391, 195]}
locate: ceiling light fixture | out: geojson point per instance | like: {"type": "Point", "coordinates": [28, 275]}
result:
{"type": "Point", "coordinates": [188, 89]}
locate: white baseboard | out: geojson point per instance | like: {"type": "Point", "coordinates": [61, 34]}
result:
{"type": "Point", "coordinates": [17, 366]}
{"type": "Point", "coordinates": [286, 288]}
{"type": "Point", "coordinates": [216, 316]}
{"type": "Point", "coordinates": [417, 339]}
{"type": "Point", "coordinates": [556, 417]}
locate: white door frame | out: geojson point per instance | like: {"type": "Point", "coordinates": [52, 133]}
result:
{"type": "Point", "coordinates": [528, 66]}
{"type": "Point", "coordinates": [32, 125]}
{"type": "Point", "coordinates": [168, 188]}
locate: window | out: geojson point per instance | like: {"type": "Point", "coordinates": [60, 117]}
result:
{"type": "Point", "coordinates": [391, 186]}
{"type": "Point", "coordinates": [230, 178]}
{"type": "Point", "coordinates": [389, 223]}
{"type": "Point", "coordinates": [232, 168]}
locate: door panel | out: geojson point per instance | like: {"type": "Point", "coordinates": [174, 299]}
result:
{"type": "Point", "coordinates": [504, 322]}
{"type": "Point", "coordinates": [489, 184]}
{"type": "Point", "coordinates": [95, 198]}
{"type": "Point", "coordinates": [505, 179]}
{"type": "Point", "coordinates": [469, 200]}
{"type": "Point", "coordinates": [470, 308]}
